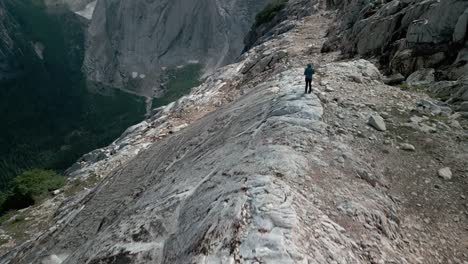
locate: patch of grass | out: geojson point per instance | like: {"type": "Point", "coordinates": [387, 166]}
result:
{"type": "Point", "coordinates": [440, 118]}
{"type": "Point", "coordinates": [15, 224]}
{"type": "Point", "coordinates": [412, 88]}
{"type": "Point", "coordinates": [269, 12]}
{"type": "Point", "coordinates": [179, 82]}
{"type": "Point", "coordinates": [29, 188]}
{"type": "Point", "coordinates": [78, 185]}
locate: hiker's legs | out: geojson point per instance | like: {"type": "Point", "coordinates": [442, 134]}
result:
{"type": "Point", "coordinates": [306, 84]}
{"type": "Point", "coordinates": [309, 83]}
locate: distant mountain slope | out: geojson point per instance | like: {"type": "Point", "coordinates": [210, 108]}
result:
{"type": "Point", "coordinates": [130, 40]}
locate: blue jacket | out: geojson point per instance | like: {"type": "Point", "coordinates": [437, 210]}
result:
{"type": "Point", "coordinates": [309, 72]}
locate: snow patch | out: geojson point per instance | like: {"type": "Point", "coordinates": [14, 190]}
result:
{"type": "Point", "coordinates": [39, 49]}
{"type": "Point", "coordinates": [88, 11]}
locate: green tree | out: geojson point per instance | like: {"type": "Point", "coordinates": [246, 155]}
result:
{"type": "Point", "coordinates": [29, 188]}
{"type": "Point", "coordinates": [269, 12]}
{"type": "Point", "coordinates": [37, 183]}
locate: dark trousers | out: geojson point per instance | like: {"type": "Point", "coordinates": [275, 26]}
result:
{"type": "Point", "coordinates": [308, 85]}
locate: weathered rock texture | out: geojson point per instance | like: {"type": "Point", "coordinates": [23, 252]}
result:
{"type": "Point", "coordinates": [128, 37]}
{"type": "Point", "coordinates": [406, 35]}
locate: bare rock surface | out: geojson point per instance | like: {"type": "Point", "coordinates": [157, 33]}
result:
{"type": "Point", "coordinates": [141, 37]}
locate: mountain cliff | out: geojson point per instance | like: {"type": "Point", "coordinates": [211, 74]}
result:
{"type": "Point", "coordinates": [130, 41]}
{"type": "Point", "coordinates": [421, 41]}
{"type": "Point", "coordinates": [406, 35]}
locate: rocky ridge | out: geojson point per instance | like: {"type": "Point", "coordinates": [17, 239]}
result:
{"type": "Point", "coordinates": [248, 169]}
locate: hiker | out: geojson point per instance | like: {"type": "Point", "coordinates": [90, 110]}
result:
{"type": "Point", "coordinates": [309, 72]}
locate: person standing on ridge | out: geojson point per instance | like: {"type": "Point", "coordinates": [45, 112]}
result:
{"type": "Point", "coordinates": [309, 72]}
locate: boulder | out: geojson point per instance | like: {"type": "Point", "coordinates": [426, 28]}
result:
{"type": "Point", "coordinates": [328, 89]}
{"type": "Point", "coordinates": [407, 147]}
{"type": "Point", "coordinates": [377, 122]}
{"type": "Point", "coordinates": [428, 107]}
{"type": "Point", "coordinates": [394, 79]}
{"type": "Point", "coordinates": [407, 35]}
{"type": "Point", "coordinates": [460, 28]}
{"type": "Point", "coordinates": [445, 173]}
{"type": "Point", "coordinates": [355, 78]}
{"type": "Point", "coordinates": [52, 259]}
{"type": "Point", "coordinates": [421, 77]}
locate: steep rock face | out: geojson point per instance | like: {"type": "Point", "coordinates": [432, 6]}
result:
{"type": "Point", "coordinates": [74, 5]}
{"type": "Point", "coordinates": [129, 41]}
{"type": "Point", "coordinates": [406, 35]}
{"type": "Point", "coordinates": [9, 66]}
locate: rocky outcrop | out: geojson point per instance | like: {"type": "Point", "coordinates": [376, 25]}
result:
{"type": "Point", "coordinates": [406, 35]}
{"type": "Point", "coordinates": [129, 38]}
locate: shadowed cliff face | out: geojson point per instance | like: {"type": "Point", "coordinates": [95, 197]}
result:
{"type": "Point", "coordinates": [8, 64]}
{"type": "Point", "coordinates": [129, 41]}
{"type": "Point", "coordinates": [405, 35]}
{"type": "Point", "coordinates": [50, 117]}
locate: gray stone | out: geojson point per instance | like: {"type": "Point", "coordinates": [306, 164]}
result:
{"type": "Point", "coordinates": [460, 28]}
{"type": "Point", "coordinates": [394, 79]}
{"type": "Point", "coordinates": [464, 107]}
{"type": "Point", "coordinates": [455, 124]}
{"type": "Point", "coordinates": [464, 114]}
{"type": "Point", "coordinates": [356, 78]}
{"type": "Point", "coordinates": [428, 107]}
{"type": "Point", "coordinates": [421, 77]}
{"type": "Point", "coordinates": [53, 259]}
{"type": "Point", "coordinates": [445, 173]}
{"type": "Point", "coordinates": [377, 122]}
{"type": "Point", "coordinates": [407, 147]}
